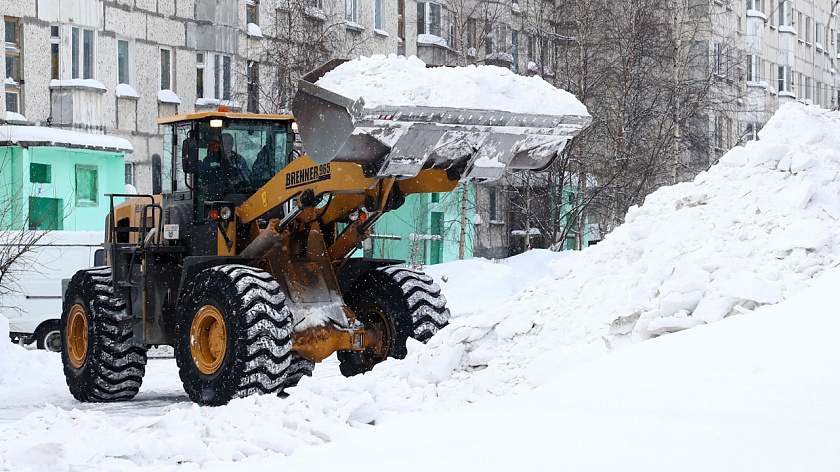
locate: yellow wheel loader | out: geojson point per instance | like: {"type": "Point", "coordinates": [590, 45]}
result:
{"type": "Point", "coordinates": [241, 260]}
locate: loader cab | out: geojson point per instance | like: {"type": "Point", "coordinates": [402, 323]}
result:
{"type": "Point", "coordinates": [218, 157]}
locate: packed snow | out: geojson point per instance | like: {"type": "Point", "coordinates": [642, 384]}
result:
{"type": "Point", "coordinates": [399, 81]}
{"type": "Point", "coordinates": [543, 366]}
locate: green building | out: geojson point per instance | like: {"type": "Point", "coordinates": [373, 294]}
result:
{"type": "Point", "coordinates": [425, 230]}
{"type": "Point", "coordinates": [57, 179]}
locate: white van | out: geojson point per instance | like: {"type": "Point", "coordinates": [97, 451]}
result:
{"type": "Point", "coordinates": [33, 308]}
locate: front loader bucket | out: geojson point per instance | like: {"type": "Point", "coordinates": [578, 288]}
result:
{"type": "Point", "coordinates": [400, 141]}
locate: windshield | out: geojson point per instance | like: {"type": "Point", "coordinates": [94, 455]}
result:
{"type": "Point", "coordinates": [239, 157]}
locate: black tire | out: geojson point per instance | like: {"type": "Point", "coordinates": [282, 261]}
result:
{"type": "Point", "coordinates": [251, 321]}
{"type": "Point", "coordinates": [101, 363]}
{"type": "Point", "coordinates": [398, 301]}
{"type": "Point", "coordinates": [298, 369]}
{"type": "Point", "coordinates": [48, 336]}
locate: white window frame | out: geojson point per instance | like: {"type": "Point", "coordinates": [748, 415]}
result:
{"type": "Point", "coordinates": [785, 79]}
{"type": "Point", "coordinates": [80, 49]}
{"type": "Point", "coordinates": [351, 11]}
{"type": "Point", "coordinates": [160, 68]}
{"type": "Point", "coordinates": [753, 68]}
{"type": "Point", "coordinates": [429, 25]}
{"type": "Point", "coordinates": [754, 5]}
{"type": "Point", "coordinates": [201, 65]}
{"type": "Point", "coordinates": [130, 60]}
{"type": "Point", "coordinates": [215, 80]}
{"type": "Point", "coordinates": [379, 14]}
{"type": "Point", "coordinates": [12, 91]}
{"type": "Point", "coordinates": [785, 15]}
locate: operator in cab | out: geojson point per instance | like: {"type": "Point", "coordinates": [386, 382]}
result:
{"type": "Point", "coordinates": [223, 170]}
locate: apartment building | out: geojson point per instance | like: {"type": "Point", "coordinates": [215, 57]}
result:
{"type": "Point", "coordinates": [772, 52]}
{"type": "Point", "coordinates": [115, 66]}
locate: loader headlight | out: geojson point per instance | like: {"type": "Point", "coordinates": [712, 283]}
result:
{"type": "Point", "coordinates": [219, 211]}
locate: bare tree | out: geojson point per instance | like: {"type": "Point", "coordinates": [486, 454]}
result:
{"type": "Point", "coordinates": [18, 236]}
{"type": "Point", "coordinates": [305, 34]}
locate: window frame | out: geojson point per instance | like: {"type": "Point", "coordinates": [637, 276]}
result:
{"type": "Point", "coordinates": [253, 77]}
{"type": "Point", "coordinates": [252, 11]}
{"type": "Point", "coordinates": [129, 61]}
{"type": "Point", "coordinates": [351, 11]}
{"type": "Point", "coordinates": [170, 75]}
{"type": "Point", "coordinates": [55, 52]}
{"type": "Point", "coordinates": [379, 14]}
{"type": "Point", "coordinates": [754, 68]}
{"type": "Point", "coordinates": [85, 202]}
{"type": "Point", "coordinates": [80, 67]}
{"type": "Point", "coordinates": [426, 23]}
{"type": "Point", "coordinates": [13, 49]}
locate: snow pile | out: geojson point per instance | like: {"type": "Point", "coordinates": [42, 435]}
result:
{"type": "Point", "coordinates": [400, 81]}
{"type": "Point", "coordinates": [754, 230]}
{"type": "Point", "coordinates": [20, 368]}
{"type": "Point", "coordinates": [465, 283]}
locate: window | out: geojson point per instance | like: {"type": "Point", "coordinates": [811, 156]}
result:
{"type": "Point", "coordinates": [379, 14]}
{"type": "Point", "coordinates": [45, 214]}
{"type": "Point", "coordinates": [225, 74]}
{"type": "Point", "coordinates": [493, 209]}
{"type": "Point", "coordinates": [87, 186]}
{"type": "Point", "coordinates": [40, 173]}
{"type": "Point", "coordinates": [799, 84]}
{"type": "Point", "coordinates": [251, 11]}
{"type": "Point", "coordinates": [253, 87]}
{"type": "Point", "coordinates": [754, 5]}
{"type": "Point", "coordinates": [199, 75]}
{"type": "Point", "coordinates": [124, 61]}
{"type": "Point", "coordinates": [496, 40]}
{"type": "Point", "coordinates": [807, 88]}
{"type": "Point", "coordinates": [785, 79]}
{"type": "Point", "coordinates": [429, 18]}
{"type": "Point", "coordinates": [800, 26]}
{"type": "Point", "coordinates": [55, 38]}
{"type": "Point", "coordinates": [723, 128]}
{"type": "Point", "coordinates": [214, 76]}
{"type": "Point", "coordinates": [129, 173]}
{"type": "Point", "coordinates": [165, 68]}
{"type": "Point", "coordinates": [718, 59]}
{"type": "Point", "coordinates": [13, 52]}
{"type": "Point", "coordinates": [819, 35]}
{"type": "Point", "coordinates": [785, 17]}
{"type": "Point", "coordinates": [751, 132]}
{"type": "Point", "coordinates": [807, 29]}
{"type": "Point", "coordinates": [753, 68]}
{"type": "Point", "coordinates": [514, 47]}
{"type": "Point", "coordinates": [471, 37]}
{"type": "Point", "coordinates": [401, 27]}
{"type": "Point", "coordinates": [82, 53]}
{"type": "Point", "coordinates": [351, 10]}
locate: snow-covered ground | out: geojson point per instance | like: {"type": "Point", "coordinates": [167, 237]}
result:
{"type": "Point", "coordinates": [543, 366]}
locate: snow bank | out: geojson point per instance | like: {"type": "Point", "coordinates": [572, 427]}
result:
{"type": "Point", "coordinates": [399, 81]}
{"type": "Point", "coordinates": [19, 368]}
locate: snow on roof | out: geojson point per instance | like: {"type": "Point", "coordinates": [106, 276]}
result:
{"type": "Point", "coordinates": [12, 135]}
{"type": "Point", "coordinates": [398, 81]}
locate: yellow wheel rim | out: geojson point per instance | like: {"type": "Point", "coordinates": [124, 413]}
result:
{"type": "Point", "coordinates": [208, 339]}
{"type": "Point", "coordinates": [77, 335]}
{"type": "Point", "coordinates": [376, 323]}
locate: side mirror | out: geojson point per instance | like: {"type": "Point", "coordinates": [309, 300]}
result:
{"type": "Point", "coordinates": [189, 156]}
{"type": "Point", "coordinates": [157, 180]}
